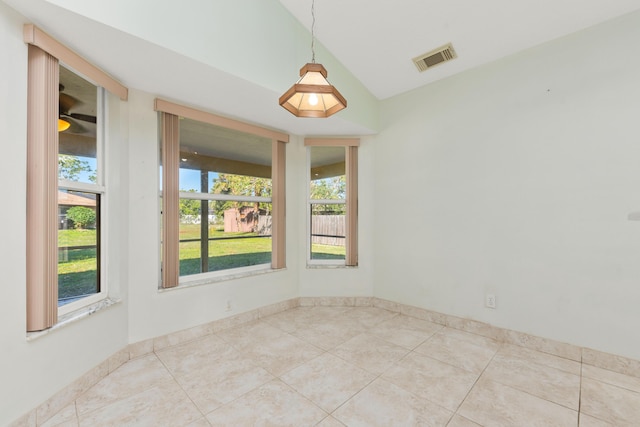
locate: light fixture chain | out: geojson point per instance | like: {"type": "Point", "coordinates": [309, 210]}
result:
{"type": "Point", "coordinates": [313, 24]}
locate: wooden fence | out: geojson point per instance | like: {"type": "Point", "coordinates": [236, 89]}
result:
{"type": "Point", "coordinates": [264, 225]}
{"type": "Point", "coordinates": [328, 229]}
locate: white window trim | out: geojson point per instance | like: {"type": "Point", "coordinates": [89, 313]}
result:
{"type": "Point", "coordinates": [222, 275]}
{"type": "Point", "coordinates": [223, 197]}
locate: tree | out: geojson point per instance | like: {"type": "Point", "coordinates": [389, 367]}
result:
{"type": "Point", "coordinates": [82, 216]}
{"type": "Point", "coordinates": [70, 168]}
{"type": "Point", "coordinates": [189, 207]}
{"type": "Point", "coordinates": [333, 188]}
{"type": "Point", "coordinates": [240, 185]}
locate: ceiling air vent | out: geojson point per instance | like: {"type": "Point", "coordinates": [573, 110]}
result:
{"type": "Point", "coordinates": [435, 57]}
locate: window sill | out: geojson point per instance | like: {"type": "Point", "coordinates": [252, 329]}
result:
{"type": "Point", "coordinates": [210, 278]}
{"type": "Point", "coordinates": [325, 266]}
{"type": "Point", "coordinates": [74, 316]}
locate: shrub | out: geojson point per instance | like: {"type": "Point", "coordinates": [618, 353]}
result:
{"type": "Point", "coordinates": [82, 217]}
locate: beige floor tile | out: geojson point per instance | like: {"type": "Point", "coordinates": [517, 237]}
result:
{"type": "Point", "coordinates": [282, 354]}
{"type": "Point", "coordinates": [291, 320]}
{"type": "Point", "coordinates": [273, 404]}
{"type": "Point", "coordinates": [370, 353]}
{"type": "Point", "coordinates": [461, 353]}
{"type": "Point", "coordinates": [320, 315]}
{"type": "Point", "coordinates": [328, 334]}
{"type": "Point", "coordinates": [405, 331]}
{"type": "Point", "coordinates": [72, 422]}
{"type": "Point", "coordinates": [458, 421]}
{"type": "Point", "coordinates": [516, 352]}
{"type": "Point", "coordinates": [545, 382]}
{"type": "Point", "coordinates": [384, 404]}
{"type": "Point", "coordinates": [131, 378]}
{"type": "Point", "coordinates": [327, 359]}
{"type": "Point", "coordinates": [368, 317]}
{"type": "Point", "coordinates": [220, 383]}
{"type": "Point", "coordinates": [184, 358]}
{"type": "Point", "coordinates": [475, 339]}
{"type": "Point", "coordinates": [589, 421]}
{"type": "Point", "coordinates": [245, 336]}
{"type": "Point", "coordinates": [608, 402]}
{"type": "Point", "coordinates": [492, 404]}
{"type": "Point", "coordinates": [330, 422]}
{"type": "Point", "coordinates": [613, 378]}
{"type": "Point", "coordinates": [202, 422]}
{"type": "Point", "coordinates": [199, 364]}
{"type": "Point", "coordinates": [440, 383]}
{"type": "Point", "coordinates": [165, 405]}
{"type": "Point", "coordinates": [328, 381]}
{"type": "Point", "coordinates": [67, 417]}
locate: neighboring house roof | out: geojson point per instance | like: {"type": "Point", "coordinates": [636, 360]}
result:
{"type": "Point", "coordinates": [70, 199]}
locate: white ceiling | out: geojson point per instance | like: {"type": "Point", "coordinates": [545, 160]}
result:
{"type": "Point", "coordinates": [376, 40]}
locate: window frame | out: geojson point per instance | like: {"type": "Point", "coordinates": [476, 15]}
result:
{"type": "Point", "coordinates": [169, 114]}
{"type": "Point", "coordinates": [99, 188]}
{"type": "Point", "coordinates": [45, 54]}
{"type": "Point", "coordinates": [350, 201]}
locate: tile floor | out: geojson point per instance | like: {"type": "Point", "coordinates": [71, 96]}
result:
{"type": "Point", "coordinates": [353, 366]}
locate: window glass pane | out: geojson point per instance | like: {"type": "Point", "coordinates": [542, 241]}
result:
{"type": "Point", "coordinates": [328, 179]}
{"type": "Point", "coordinates": [78, 245]}
{"type": "Point", "coordinates": [240, 236]}
{"type": "Point", "coordinates": [328, 231]}
{"type": "Point", "coordinates": [223, 161]}
{"type": "Point", "coordinates": [77, 128]}
{"type": "Point", "coordinates": [236, 234]}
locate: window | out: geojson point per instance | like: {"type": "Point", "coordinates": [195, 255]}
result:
{"type": "Point", "coordinates": [332, 201]}
{"type": "Point", "coordinates": [225, 198]}
{"type": "Point", "coordinates": [65, 179]}
{"type": "Point", "coordinates": [222, 195]}
{"type": "Point", "coordinates": [80, 190]}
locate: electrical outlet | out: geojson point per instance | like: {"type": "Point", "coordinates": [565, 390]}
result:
{"type": "Point", "coordinates": [490, 301]}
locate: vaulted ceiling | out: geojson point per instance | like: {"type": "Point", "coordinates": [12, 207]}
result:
{"type": "Point", "coordinates": [373, 40]}
{"type": "Point", "coordinates": [376, 40]}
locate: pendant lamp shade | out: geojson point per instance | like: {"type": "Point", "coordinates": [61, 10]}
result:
{"type": "Point", "coordinates": [313, 95]}
{"type": "Point", "coordinates": [63, 125]}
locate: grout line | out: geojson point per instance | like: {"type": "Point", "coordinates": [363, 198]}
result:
{"type": "Point", "coordinates": [181, 388]}
{"type": "Point", "coordinates": [476, 382]}
{"type": "Point", "coordinates": [580, 390]}
{"type": "Point", "coordinates": [75, 406]}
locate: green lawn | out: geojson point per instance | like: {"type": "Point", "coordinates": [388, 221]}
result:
{"type": "Point", "coordinates": [77, 268]}
{"type": "Point", "coordinates": [76, 237]}
{"type": "Point", "coordinates": [237, 249]}
{"type": "Point", "coordinates": [327, 251]}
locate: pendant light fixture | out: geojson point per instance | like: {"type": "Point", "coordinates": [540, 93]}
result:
{"type": "Point", "coordinates": [63, 125]}
{"type": "Point", "coordinates": [312, 95]}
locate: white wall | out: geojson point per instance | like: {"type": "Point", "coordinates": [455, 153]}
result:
{"type": "Point", "coordinates": [30, 372]}
{"type": "Point", "coordinates": [516, 179]}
